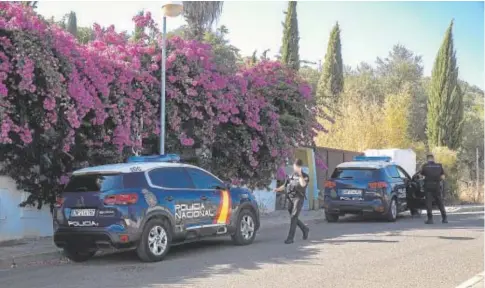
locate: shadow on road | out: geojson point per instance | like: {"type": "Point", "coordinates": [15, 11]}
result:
{"type": "Point", "coordinates": [219, 257]}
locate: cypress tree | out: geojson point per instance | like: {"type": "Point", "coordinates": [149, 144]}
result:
{"type": "Point", "coordinates": [289, 51]}
{"type": "Point", "coordinates": [72, 24]}
{"type": "Point", "coordinates": [331, 82]}
{"type": "Point", "coordinates": [445, 100]}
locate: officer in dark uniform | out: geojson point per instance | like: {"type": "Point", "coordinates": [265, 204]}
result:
{"type": "Point", "coordinates": [295, 188]}
{"type": "Point", "coordinates": [433, 175]}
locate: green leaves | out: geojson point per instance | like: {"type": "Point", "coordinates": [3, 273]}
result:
{"type": "Point", "coordinates": [290, 48]}
{"type": "Point", "coordinates": [445, 101]}
{"type": "Point", "coordinates": [331, 82]}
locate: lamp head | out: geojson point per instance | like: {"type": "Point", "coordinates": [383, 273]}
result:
{"type": "Point", "coordinates": [172, 8]}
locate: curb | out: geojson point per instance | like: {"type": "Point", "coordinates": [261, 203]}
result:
{"type": "Point", "coordinates": [472, 282]}
{"type": "Point", "coordinates": [471, 208]}
{"type": "Point", "coordinates": [6, 263]}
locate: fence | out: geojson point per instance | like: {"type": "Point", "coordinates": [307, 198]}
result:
{"type": "Point", "coordinates": [332, 157]}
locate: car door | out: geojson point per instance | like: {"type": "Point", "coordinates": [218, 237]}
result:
{"type": "Point", "coordinates": [407, 182]}
{"type": "Point", "coordinates": [176, 191]}
{"type": "Point", "coordinates": [217, 198]}
{"type": "Point", "coordinates": [399, 186]}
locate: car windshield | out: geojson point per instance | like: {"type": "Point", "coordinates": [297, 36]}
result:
{"type": "Point", "coordinates": [94, 183]}
{"type": "Point", "coordinates": [354, 173]}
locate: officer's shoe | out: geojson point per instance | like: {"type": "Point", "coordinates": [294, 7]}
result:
{"type": "Point", "coordinates": [429, 221]}
{"type": "Point", "coordinates": [444, 221]}
{"type": "Point", "coordinates": [305, 233]}
{"type": "Point", "coordinates": [288, 241]}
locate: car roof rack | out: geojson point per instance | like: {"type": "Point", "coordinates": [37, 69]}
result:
{"type": "Point", "coordinates": [372, 158]}
{"type": "Point", "coordinates": [171, 158]}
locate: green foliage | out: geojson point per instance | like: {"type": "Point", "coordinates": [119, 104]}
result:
{"type": "Point", "coordinates": [290, 48]}
{"type": "Point", "coordinates": [311, 76]}
{"type": "Point", "coordinates": [226, 56]}
{"type": "Point", "coordinates": [473, 134]}
{"type": "Point", "coordinates": [72, 24]}
{"type": "Point", "coordinates": [200, 16]}
{"type": "Point", "coordinates": [402, 71]}
{"type": "Point", "coordinates": [363, 85]}
{"type": "Point", "coordinates": [139, 30]}
{"type": "Point", "coordinates": [445, 101]}
{"type": "Point", "coordinates": [448, 158]}
{"type": "Point", "coordinates": [85, 35]}
{"type": "Point", "coordinates": [331, 82]}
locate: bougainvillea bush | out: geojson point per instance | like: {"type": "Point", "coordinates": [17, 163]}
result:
{"type": "Point", "coordinates": [64, 105]}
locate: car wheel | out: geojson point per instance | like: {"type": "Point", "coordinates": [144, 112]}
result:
{"type": "Point", "coordinates": [331, 218]}
{"type": "Point", "coordinates": [245, 228]}
{"type": "Point", "coordinates": [391, 214]}
{"type": "Point", "coordinates": [78, 255]}
{"type": "Point", "coordinates": [155, 240]}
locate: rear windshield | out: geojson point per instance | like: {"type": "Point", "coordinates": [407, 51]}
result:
{"type": "Point", "coordinates": [94, 183]}
{"type": "Point", "coordinates": [354, 173]}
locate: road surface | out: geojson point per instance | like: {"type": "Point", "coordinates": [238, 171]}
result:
{"type": "Point", "coordinates": [351, 253]}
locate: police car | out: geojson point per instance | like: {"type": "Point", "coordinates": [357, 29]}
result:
{"type": "Point", "coordinates": [367, 185]}
{"type": "Point", "coordinates": [149, 204]}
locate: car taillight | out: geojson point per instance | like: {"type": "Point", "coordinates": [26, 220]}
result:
{"type": "Point", "coordinates": [59, 202]}
{"type": "Point", "coordinates": [330, 184]}
{"type": "Point", "coordinates": [377, 185]}
{"type": "Point", "coordinates": [121, 199]}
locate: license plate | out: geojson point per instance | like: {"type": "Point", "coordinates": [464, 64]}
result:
{"type": "Point", "coordinates": [351, 192]}
{"type": "Point", "coordinates": [357, 198]}
{"type": "Point", "coordinates": [83, 212]}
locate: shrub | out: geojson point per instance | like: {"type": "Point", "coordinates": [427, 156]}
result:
{"type": "Point", "coordinates": [65, 105]}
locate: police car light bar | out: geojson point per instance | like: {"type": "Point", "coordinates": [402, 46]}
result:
{"type": "Point", "coordinates": [372, 158]}
{"type": "Point", "coordinates": [154, 158]}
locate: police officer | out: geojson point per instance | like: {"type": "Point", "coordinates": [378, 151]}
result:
{"type": "Point", "coordinates": [433, 175]}
{"type": "Point", "coordinates": [295, 187]}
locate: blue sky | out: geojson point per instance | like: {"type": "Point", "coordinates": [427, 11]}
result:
{"type": "Point", "coordinates": [369, 29]}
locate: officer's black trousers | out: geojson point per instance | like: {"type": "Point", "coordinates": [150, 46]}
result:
{"type": "Point", "coordinates": [434, 191]}
{"type": "Point", "coordinates": [295, 206]}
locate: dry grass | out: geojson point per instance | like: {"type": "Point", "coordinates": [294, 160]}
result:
{"type": "Point", "coordinates": [468, 194]}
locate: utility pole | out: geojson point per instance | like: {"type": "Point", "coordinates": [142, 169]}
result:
{"type": "Point", "coordinates": [478, 176]}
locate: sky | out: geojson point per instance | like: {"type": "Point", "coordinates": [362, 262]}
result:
{"type": "Point", "coordinates": [368, 29]}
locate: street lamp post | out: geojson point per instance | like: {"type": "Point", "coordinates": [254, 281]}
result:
{"type": "Point", "coordinates": [169, 9]}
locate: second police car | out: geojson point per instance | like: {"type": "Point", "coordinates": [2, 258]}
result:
{"type": "Point", "coordinates": [149, 204]}
{"type": "Point", "coordinates": [368, 185]}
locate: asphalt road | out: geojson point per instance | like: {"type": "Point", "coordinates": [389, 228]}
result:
{"type": "Point", "coordinates": [352, 253]}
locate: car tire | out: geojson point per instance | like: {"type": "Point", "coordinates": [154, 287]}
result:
{"type": "Point", "coordinates": [331, 218]}
{"type": "Point", "coordinates": [155, 240]}
{"type": "Point", "coordinates": [78, 255]}
{"type": "Point", "coordinates": [391, 215]}
{"type": "Point", "coordinates": [245, 228]}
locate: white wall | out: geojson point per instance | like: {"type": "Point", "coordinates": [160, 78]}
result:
{"type": "Point", "coordinates": [17, 222]}
{"type": "Point", "coordinates": [266, 198]}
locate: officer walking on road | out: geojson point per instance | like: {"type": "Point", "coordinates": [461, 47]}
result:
{"type": "Point", "coordinates": [433, 175]}
{"type": "Point", "coordinates": [295, 188]}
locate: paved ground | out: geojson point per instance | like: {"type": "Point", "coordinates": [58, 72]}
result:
{"type": "Point", "coordinates": [352, 253]}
